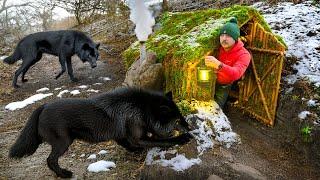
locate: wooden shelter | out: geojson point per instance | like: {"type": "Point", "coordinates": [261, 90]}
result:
{"type": "Point", "coordinates": [186, 37]}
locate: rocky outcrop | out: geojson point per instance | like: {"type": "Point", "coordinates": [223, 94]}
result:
{"type": "Point", "coordinates": [145, 73]}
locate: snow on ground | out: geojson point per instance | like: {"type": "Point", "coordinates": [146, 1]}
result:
{"type": "Point", "coordinates": [210, 123]}
{"type": "Point", "coordinates": [92, 156]}
{"type": "Point", "coordinates": [105, 78]}
{"type": "Point", "coordinates": [42, 90]}
{"type": "Point", "coordinates": [83, 87]}
{"type": "Point", "coordinates": [21, 104]}
{"type": "Point", "coordinates": [299, 25]}
{"type": "Point", "coordinates": [178, 163]}
{"type": "Point", "coordinates": [2, 57]}
{"type": "Point", "coordinates": [82, 155]}
{"type": "Point", "coordinates": [93, 90]}
{"type": "Point", "coordinates": [304, 114]}
{"type": "Point", "coordinates": [37, 97]}
{"type": "Point", "coordinates": [312, 103]}
{"type": "Point", "coordinates": [101, 166]}
{"type": "Point", "coordinates": [102, 152]}
{"type": "Point", "coordinates": [75, 92]}
{"type": "Point", "coordinates": [97, 84]}
{"type": "Point", "coordinates": [62, 92]}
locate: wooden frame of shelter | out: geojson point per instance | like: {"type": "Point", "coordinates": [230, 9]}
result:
{"type": "Point", "coordinates": [259, 88]}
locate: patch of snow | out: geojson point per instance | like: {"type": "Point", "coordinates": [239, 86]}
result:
{"type": "Point", "coordinates": [178, 163]}
{"type": "Point", "coordinates": [102, 152]}
{"type": "Point", "coordinates": [3, 57]}
{"type": "Point", "coordinates": [75, 92]}
{"type": "Point", "coordinates": [56, 89]}
{"type": "Point", "coordinates": [92, 156]}
{"type": "Point", "coordinates": [82, 155]}
{"type": "Point", "coordinates": [299, 25]}
{"type": "Point", "coordinates": [212, 122]}
{"type": "Point", "coordinates": [62, 92]}
{"type": "Point", "coordinates": [42, 89]}
{"type": "Point", "coordinates": [93, 90]}
{"type": "Point", "coordinates": [21, 104]}
{"type": "Point", "coordinates": [105, 78]}
{"type": "Point", "coordinates": [304, 114]}
{"type": "Point", "coordinates": [312, 103]}
{"type": "Point", "coordinates": [97, 84]}
{"type": "Point", "coordinates": [83, 87]}
{"type": "Point", "coordinates": [101, 166]}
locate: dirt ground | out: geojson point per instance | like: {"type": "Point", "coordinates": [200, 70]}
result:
{"type": "Point", "coordinates": [265, 153]}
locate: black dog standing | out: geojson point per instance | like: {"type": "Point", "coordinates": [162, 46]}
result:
{"type": "Point", "coordinates": [64, 44]}
{"type": "Point", "coordinates": [127, 116]}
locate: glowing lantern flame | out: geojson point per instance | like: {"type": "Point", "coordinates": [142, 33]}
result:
{"type": "Point", "coordinates": [204, 74]}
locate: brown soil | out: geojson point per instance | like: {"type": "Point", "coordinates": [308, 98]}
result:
{"type": "Point", "coordinates": [276, 153]}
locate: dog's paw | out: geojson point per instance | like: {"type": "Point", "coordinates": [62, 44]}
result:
{"type": "Point", "coordinates": [16, 86]}
{"type": "Point", "coordinates": [185, 138]}
{"type": "Point", "coordinates": [74, 79]}
{"type": "Point", "coordinates": [65, 174]}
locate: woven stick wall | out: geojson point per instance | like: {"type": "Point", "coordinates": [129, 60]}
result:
{"type": "Point", "coordinates": [258, 91]}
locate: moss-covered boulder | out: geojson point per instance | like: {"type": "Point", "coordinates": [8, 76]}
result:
{"type": "Point", "coordinates": [184, 39]}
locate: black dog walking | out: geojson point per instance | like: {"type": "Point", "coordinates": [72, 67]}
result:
{"type": "Point", "coordinates": [64, 44]}
{"type": "Point", "coordinates": [127, 116]}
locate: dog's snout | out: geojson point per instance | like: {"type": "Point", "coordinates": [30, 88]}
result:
{"type": "Point", "coordinates": [93, 65]}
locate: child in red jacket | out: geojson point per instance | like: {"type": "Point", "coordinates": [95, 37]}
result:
{"type": "Point", "coordinates": [233, 60]}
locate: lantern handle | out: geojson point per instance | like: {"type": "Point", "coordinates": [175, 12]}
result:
{"type": "Point", "coordinates": [202, 62]}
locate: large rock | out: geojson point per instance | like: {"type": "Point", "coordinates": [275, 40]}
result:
{"type": "Point", "coordinates": [145, 73]}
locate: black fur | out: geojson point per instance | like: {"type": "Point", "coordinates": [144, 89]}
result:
{"type": "Point", "coordinates": [64, 44]}
{"type": "Point", "coordinates": [124, 115]}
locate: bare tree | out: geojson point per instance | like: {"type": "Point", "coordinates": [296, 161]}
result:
{"type": "Point", "coordinates": [17, 20]}
{"type": "Point", "coordinates": [5, 7]}
{"type": "Point", "coordinates": [43, 11]}
{"type": "Point", "coordinates": [80, 8]}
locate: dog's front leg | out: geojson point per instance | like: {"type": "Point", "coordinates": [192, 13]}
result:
{"type": "Point", "coordinates": [62, 60]}
{"type": "Point", "coordinates": [70, 70]}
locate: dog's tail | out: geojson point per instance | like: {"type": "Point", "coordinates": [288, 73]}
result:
{"type": "Point", "coordinates": [29, 140]}
{"type": "Point", "coordinates": [14, 57]}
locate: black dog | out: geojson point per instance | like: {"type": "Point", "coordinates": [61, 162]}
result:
{"type": "Point", "coordinates": [127, 116]}
{"type": "Point", "coordinates": [63, 43]}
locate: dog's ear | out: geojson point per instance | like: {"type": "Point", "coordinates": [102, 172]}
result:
{"type": "Point", "coordinates": [85, 46]}
{"type": "Point", "coordinates": [97, 46]}
{"type": "Point", "coordinates": [169, 95]}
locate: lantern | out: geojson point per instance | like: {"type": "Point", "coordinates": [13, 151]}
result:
{"type": "Point", "coordinates": [206, 81]}
{"type": "Point", "coordinates": [204, 74]}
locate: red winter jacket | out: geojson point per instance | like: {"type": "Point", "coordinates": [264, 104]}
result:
{"type": "Point", "coordinates": [235, 62]}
